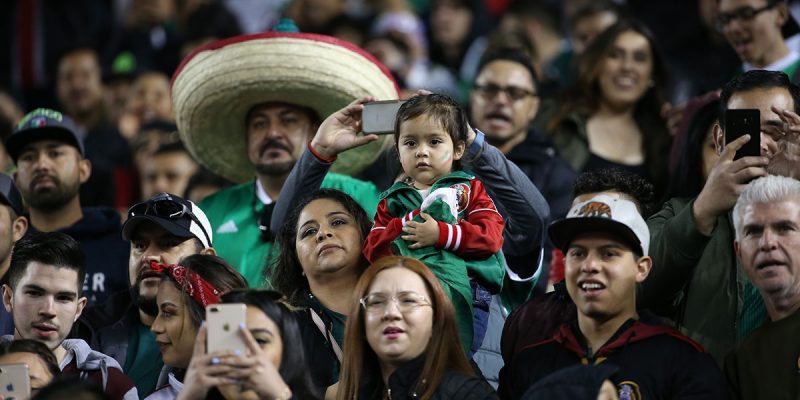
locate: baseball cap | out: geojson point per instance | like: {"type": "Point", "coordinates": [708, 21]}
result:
{"type": "Point", "coordinates": [602, 213]}
{"type": "Point", "coordinates": [177, 216]}
{"type": "Point", "coordinates": [9, 195]}
{"type": "Point", "coordinates": [42, 124]}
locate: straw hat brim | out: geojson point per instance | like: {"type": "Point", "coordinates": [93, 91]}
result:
{"type": "Point", "coordinates": [217, 84]}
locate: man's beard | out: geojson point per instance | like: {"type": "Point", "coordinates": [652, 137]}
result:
{"type": "Point", "coordinates": [52, 199]}
{"type": "Point", "coordinates": [275, 169]}
{"type": "Point", "coordinates": [147, 305]}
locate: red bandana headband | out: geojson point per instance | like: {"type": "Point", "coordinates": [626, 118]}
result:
{"type": "Point", "coordinates": [196, 287]}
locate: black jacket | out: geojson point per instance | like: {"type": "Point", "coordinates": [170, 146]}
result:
{"type": "Point", "coordinates": [402, 382]}
{"type": "Point", "coordinates": [655, 362]}
{"type": "Point", "coordinates": [322, 362]}
{"type": "Point", "coordinates": [107, 327]}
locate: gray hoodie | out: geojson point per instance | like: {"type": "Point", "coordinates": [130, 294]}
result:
{"type": "Point", "coordinates": [168, 386]}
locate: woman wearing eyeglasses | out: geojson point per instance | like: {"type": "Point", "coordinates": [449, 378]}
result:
{"type": "Point", "coordinates": [402, 338]}
{"type": "Point", "coordinates": [184, 292]}
{"type": "Point", "coordinates": [274, 366]}
{"type": "Point", "coordinates": [611, 117]}
{"type": "Point", "coordinates": [317, 269]}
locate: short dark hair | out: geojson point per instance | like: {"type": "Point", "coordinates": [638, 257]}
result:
{"type": "Point", "coordinates": [293, 368]}
{"type": "Point", "coordinates": [513, 55]}
{"type": "Point", "coordinates": [312, 114]}
{"type": "Point", "coordinates": [440, 109]}
{"type": "Point", "coordinates": [67, 387]}
{"type": "Point", "coordinates": [34, 347]}
{"type": "Point", "coordinates": [287, 273]}
{"type": "Point", "coordinates": [172, 147]}
{"type": "Point", "coordinates": [202, 177]}
{"type": "Point", "coordinates": [594, 7]}
{"type": "Point", "coordinates": [51, 248]}
{"type": "Point", "coordinates": [634, 186]}
{"type": "Point", "coordinates": [214, 270]}
{"type": "Point", "coordinates": [757, 79]}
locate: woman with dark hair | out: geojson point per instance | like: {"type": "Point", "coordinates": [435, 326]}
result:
{"type": "Point", "coordinates": [611, 116]}
{"type": "Point", "coordinates": [318, 266]}
{"type": "Point", "coordinates": [183, 294]}
{"type": "Point", "coordinates": [274, 366]}
{"type": "Point", "coordinates": [402, 338]}
{"type": "Point", "coordinates": [42, 363]}
{"type": "Point", "coordinates": [695, 151]}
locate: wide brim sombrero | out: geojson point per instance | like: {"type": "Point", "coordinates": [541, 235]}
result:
{"type": "Point", "coordinates": [217, 84]}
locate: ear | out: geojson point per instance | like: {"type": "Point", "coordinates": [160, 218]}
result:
{"type": "Point", "coordinates": [208, 251]}
{"type": "Point", "coordinates": [783, 13]}
{"type": "Point", "coordinates": [458, 150]}
{"type": "Point", "coordinates": [18, 228]}
{"type": "Point", "coordinates": [81, 304]}
{"type": "Point", "coordinates": [84, 170]}
{"type": "Point", "coordinates": [643, 267]}
{"type": "Point", "coordinates": [719, 138]}
{"type": "Point", "coordinates": [8, 297]}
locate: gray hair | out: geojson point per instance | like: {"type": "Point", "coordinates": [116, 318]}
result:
{"type": "Point", "coordinates": [768, 189]}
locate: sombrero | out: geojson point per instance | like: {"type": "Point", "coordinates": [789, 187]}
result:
{"type": "Point", "coordinates": [215, 86]}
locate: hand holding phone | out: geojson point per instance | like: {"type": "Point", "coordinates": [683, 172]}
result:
{"type": "Point", "coordinates": [379, 116]}
{"type": "Point", "coordinates": [744, 122]}
{"type": "Point", "coordinates": [223, 321]}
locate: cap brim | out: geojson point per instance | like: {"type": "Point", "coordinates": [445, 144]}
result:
{"type": "Point", "coordinates": [132, 223]}
{"type": "Point", "coordinates": [563, 231]}
{"type": "Point", "coordinates": [18, 140]}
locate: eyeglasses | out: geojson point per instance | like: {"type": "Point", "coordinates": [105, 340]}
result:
{"type": "Point", "coordinates": [514, 93]}
{"type": "Point", "coordinates": [378, 303]}
{"type": "Point", "coordinates": [164, 206]}
{"type": "Point", "coordinates": [744, 14]}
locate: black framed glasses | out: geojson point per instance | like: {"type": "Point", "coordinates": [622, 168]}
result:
{"type": "Point", "coordinates": [743, 14]}
{"type": "Point", "coordinates": [164, 206]}
{"type": "Point", "coordinates": [490, 90]}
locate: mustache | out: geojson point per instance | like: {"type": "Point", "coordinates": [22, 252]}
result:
{"type": "Point", "coordinates": [40, 176]}
{"type": "Point", "coordinates": [277, 144]}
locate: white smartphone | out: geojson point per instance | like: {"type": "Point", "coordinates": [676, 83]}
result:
{"type": "Point", "coordinates": [15, 383]}
{"type": "Point", "coordinates": [223, 321]}
{"type": "Point", "coordinates": [379, 116]}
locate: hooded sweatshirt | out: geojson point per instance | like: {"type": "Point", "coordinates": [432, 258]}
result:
{"type": "Point", "coordinates": [168, 386]}
{"type": "Point", "coordinates": [94, 367]}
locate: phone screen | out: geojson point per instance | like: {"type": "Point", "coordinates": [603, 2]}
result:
{"type": "Point", "coordinates": [379, 116]}
{"type": "Point", "coordinates": [744, 122]}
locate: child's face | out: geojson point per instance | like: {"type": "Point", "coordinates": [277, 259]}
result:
{"type": "Point", "coordinates": [426, 151]}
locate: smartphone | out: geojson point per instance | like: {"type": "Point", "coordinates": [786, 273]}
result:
{"type": "Point", "coordinates": [379, 116]}
{"type": "Point", "coordinates": [15, 383]}
{"type": "Point", "coordinates": [223, 321]}
{"type": "Point", "coordinates": [744, 122]}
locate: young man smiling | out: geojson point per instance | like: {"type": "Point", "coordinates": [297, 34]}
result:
{"type": "Point", "coordinates": [605, 241]}
{"type": "Point", "coordinates": [44, 296]}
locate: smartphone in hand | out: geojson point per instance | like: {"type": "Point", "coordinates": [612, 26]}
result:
{"type": "Point", "coordinates": [223, 321]}
{"type": "Point", "coordinates": [744, 122]}
{"type": "Point", "coordinates": [15, 382]}
{"type": "Point", "coordinates": [379, 116]}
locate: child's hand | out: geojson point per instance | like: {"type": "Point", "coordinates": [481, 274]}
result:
{"type": "Point", "coordinates": [422, 233]}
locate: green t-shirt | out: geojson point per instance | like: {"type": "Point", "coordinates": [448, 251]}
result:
{"type": "Point", "coordinates": [143, 360]}
{"type": "Point", "coordinates": [234, 213]}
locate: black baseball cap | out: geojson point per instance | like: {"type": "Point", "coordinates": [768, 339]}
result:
{"type": "Point", "coordinates": [176, 215]}
{"type": "Point", "coordinates": [43, 124]}
{"type": "Point", "coordinates": [9, 195]}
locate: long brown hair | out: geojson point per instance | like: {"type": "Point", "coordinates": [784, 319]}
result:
{"type": "Point", "coordinates": [441, 355]}
{"type": "Point", "coordinates": [584, 96]}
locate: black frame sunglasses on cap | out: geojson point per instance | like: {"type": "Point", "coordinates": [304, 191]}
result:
{"type": "Point", "coordinates": [168, 208]}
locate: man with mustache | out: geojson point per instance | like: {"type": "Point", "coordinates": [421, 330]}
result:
{"type": "Point", "coordinates": [43, 294]}
{"type": "Point", "coordinates": [503, 103]}
{"type": "Point", "coordinates": [164, 229]}
{"type": "Point", "coordinates": [766, 219]}
{"type": "Point", "coordinates": [696, 279]}
{"type": "Point", "coordinates": [51, 168]}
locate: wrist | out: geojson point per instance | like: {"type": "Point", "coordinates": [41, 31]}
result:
{"type": "Point", "coordinates": [320, 154]}
{"type": "Point", "coordinates": [703, 218]}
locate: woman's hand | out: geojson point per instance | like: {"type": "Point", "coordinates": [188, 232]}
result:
{"type": "Point", "coordinates": [340, 131]}
{"type": "Point", "coordinates": [257, 373]}
{"type": "Point", "coordinates": [205, 370]}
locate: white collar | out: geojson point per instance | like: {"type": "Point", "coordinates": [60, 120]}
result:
{"type": "Point", "coordinates": [261, 193]}
{"type": "Point", "coordinates": [779, 65]}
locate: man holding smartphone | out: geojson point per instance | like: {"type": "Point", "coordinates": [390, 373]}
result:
{"type": "Point", "coordinates": [163, 229]}
{"type": "Point", "coordinates": [696, 279]}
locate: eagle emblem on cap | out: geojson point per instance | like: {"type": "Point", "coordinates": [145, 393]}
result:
{"type": "Point", "coordinates": [595, 209]}
{"type": "Point", "coordinates": [462, 195]}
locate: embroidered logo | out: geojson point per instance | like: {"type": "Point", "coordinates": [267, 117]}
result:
{"type": "Point", "coordinates": [595, 209]}
{"type": "Point", "coordinates": [462, 195]}
{"type": "Point", "coordinates": [38, 122]}
{"type": "Point", "coordinates": [629, 390]}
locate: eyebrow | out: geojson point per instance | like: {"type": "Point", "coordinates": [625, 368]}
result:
{"type": "Point", "coordinates": [41, 289]}
{"type": "Point", "coordinates": [261, 330]}
{"type": "Point", "coordinates": [328, 215]}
